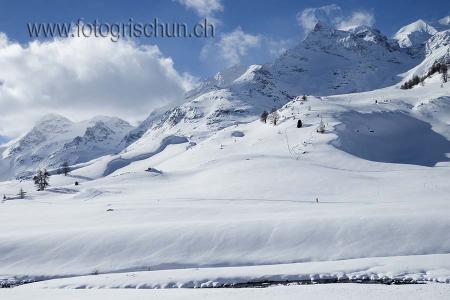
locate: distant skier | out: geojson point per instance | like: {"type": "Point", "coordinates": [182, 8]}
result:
{"type": "Point", "coordinates": [317, 200]}
{"type": "Point", "coordinates": [299, 124]}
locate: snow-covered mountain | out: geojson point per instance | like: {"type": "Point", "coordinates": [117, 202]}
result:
{"type": "Point", "coordinates": [436, 49]}
{"type": "Point", "coordinates": [414, 34]}
{"type": "Point", "coordinates": [413, 37]}
{"type": "Point", "coordinates": [328, 61]}
{"type": "Point", "coordinates": [142, 128]}
{"type": "Point", "coordinates": [331, 61]}
{"type": "Point", "coordinates": [55, 139]}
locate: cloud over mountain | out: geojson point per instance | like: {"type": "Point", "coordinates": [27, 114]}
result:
{"type": "Point", "coordinates": [334, 16]}
{"type": "Point", "coordinates": [83, 77]}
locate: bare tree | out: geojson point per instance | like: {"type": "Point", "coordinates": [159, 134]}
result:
{"type": "Point", "coordinates": [41, 179]}
{"type": "Point", "coordinates": [274, 117]}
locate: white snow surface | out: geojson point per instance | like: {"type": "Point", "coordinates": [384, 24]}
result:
{"type": "Point", "coordinates": [294, 292]}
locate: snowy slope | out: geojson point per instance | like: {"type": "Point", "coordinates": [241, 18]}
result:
{"type": "Point", "coordinates": [250, 198]}
{"type": "Point", "coordinates": [55, 139]}
{"type": "Point", "coordinates": [419, 268]}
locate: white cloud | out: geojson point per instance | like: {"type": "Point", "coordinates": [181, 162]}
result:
{"type": "Point", "coordinates": [277, 47]}
{"type": "Point", "coordinates": [357, 18]}
{"type": "Point", "coordinates": [231, 47]}
{"type": "Point", "coordinates": [83, 77]}
{"type": "Point", "coordinates": [328, 14]}
{"type": "Point", "coordinates": [333, 16]}
{"type": "Point", "coordinates": [204, 8]}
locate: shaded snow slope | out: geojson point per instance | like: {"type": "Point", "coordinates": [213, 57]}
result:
{"type": "Point", "coordinates": [381, 136]}
{"type": "Point", "coordinates": [121, 162]}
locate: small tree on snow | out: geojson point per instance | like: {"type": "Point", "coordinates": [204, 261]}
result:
{"type": "Point", "coordinates": [22, 194]}
{"type": "Point", "coordinates": [41, 179]}
{"type": "Point", "coordinates": [274, 117]}
{"type": "Point", "coordinates": [321, 128]}
{"type": "Point", "coordinates": [304, 98]}
{"type": "Point", "coordinates": [444, 71]}
{"type": "Point", "coordinates": [264, 116]}
{"type": "Point", "coordinates": [65, 169]}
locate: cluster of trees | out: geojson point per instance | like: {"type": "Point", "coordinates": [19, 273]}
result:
{"type": "Point", "coordinates": [437, 67]}
{"type": "Point", "coordinates": [273, 117]}
{"type": "Point", "coordinates": [412, 82]}
{"type": "Point", "coordinates": [21, 195]}
{"type": "Point", "coordinates": [42, 177]}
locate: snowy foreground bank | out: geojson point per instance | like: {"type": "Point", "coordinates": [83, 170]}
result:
{"type": "Point", "coordinates": [419, 268]}
{"type": "Point", "coordinates": [322, 291]}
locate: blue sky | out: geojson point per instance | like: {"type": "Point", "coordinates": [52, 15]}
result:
{"type": "Point", "coordinates": [273, 19]}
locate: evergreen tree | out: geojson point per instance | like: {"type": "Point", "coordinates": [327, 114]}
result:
{"type": "Point", "coordinates": [41, 179]}
{"type": "Point", "coordinates": [65, 169]}
{"type": "Point", "coordinates": [444, 71]}
{"type": "Point", "coordinates": [21, 194]}
{"type": "Point", "coordinates": [264, 116]}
